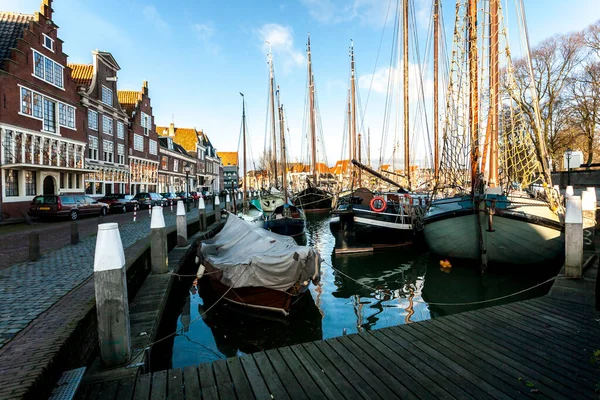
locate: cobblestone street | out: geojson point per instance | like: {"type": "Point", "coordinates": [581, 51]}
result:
{"type": "Point", "coordinates": [27, 289]}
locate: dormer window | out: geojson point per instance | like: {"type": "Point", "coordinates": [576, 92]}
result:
{"type": "Point", "coordinates": [170, 143]}
{"type": "Point", "coordinates": [48, 42]}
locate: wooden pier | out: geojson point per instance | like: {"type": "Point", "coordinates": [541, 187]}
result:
{"type": "Point", "coordinates": [547, 347]}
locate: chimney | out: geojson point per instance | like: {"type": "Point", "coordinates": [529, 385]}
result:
{"type": "Point", "coordinates": [145, 88]}
{"type": "Point", "coordinates": [171, 129]}
{"type": "Point", "coordinates": [46, 9]}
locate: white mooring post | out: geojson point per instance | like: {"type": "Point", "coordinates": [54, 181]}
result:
{"type": "Point", "coordinates": [588, 208]}
{"type": "Point", "coordinates": [227, 202]}
{"type": "Point", "coordinates": [159, 253]}
{"type": "Point", "coordinates": [569, 191]}
{"type": "Point", "coordinates": [217, 208]}
{"type": "Point", "coordinates": [181, 225]}
{"type": "Point", "coordinates": [202, 214]}
{"type": "Point", "coordinates": [112, 305]}
{"type": "Point", "coordinates": [573, 237]}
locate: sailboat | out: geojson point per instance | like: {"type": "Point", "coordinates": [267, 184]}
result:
{"type": "Point", "coordinates": [251, 210]}
{"type": "Point", "coordinates": [312, 198]}
{"type": "Point", "coordinates": [479, 211]}
{"type": "Point", "coordinates": [287, 219]}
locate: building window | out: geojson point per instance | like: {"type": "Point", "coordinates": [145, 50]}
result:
{"type": "Point", "coordinates": [138, 142]}
{"type": "Point", "coordinates": [62, 180]}
{"type": "Point", "coordinates": [37, 105]}
{"type": "Point", "coordinates": [77, 179]}
{"type": "Point", "coordinates": [107, 125]}
{"type": "Point", "coordinates": [170, 143]}
{"type": "Point", "coordinates": [66, 115]}
{"type": "Point", "coordinates": [70, 177]}
{"type": "Point", "coordinates": [121, 153]}
{"type": "Point", "coordinates": [107, 96]}
{"type": "Point", "coordinates": [49, 115]}
{"type": "Point", "coordinates": [93, 120]}
{"type": "Point", "coordinates": [48, 42]}
{"type": "Point", "coordinates": [26, 101]}
{"type": "Point", "coordinates": [120, 130]}
{"type": "Point", "coordinates": [164, 162]}
{"type": "Point", "coordinates": [47, 69]}
{"type": "Point", "coordinates": [30, 183]}
{"type": "Point", "coordinates": [153, 147]}
{"type": "Point", "coordinates": [12, 182]}
{"type": "Point", "coordinates": [93, 148]}
{"type": "Point", "coordinates": [146, 123]}
{"type": "Point", "coordinates": [108, 148]}
{"type": "Point", "coordinates": [176, 165]}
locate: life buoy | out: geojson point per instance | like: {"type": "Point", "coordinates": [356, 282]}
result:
{"type": "Point", "coordinates": [381, 200]}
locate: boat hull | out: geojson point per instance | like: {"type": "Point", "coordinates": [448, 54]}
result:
{"type": "Point", "coordinates": [516, 237]}
{"type": "Point", "coordinates": [368, 227]}
{"type": "Point", "coordinates": [313, 200]}
{"type": "Point", "coordinates": [287, 226]}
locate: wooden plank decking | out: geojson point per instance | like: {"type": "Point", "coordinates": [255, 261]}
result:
{"type": "Point", "coordinates": [540, 348]}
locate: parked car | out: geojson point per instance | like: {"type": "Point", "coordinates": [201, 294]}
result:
{"type": "Point", "coordinates": [185, 196]}
{"type": "Point", "coordinates": [146, 200]}
{"type": "Point", "coordinates": [195, 195]}
{"type": "Point", "coordinates": [170, 197]}
{"type": "Point", "coordinates": [119, 202]}
{"type": "Point", "coordinates": [66, 205]}
{"type": "Point", "coordinates": [207, 194]}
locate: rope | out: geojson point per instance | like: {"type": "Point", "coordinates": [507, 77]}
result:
{"type": "Point", "coordinates": [449, 304]}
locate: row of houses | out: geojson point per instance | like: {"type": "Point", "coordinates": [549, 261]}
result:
{"type": "Point", "coordinates": [66, 128]}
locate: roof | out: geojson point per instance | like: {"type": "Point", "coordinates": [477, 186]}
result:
{"type": "Point", "coordinates": [163, 142]}
{"type": "Point", "coordinates": [11, 29]}
{"type": "Point", "coordinates": [129, 99]}
{"type": "Point", "coordinates": [82, 73]}
{"type": "Point", "coordinates": [186, 137]}
{"type": "Point", "coordinates": [228, 157]}
{"type": "Point", "coordinates": [340, 167]}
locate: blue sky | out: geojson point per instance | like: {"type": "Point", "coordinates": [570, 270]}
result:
{"type": "Point", "coordinates": [198, 55]}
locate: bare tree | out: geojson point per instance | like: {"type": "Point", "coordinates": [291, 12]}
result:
{"type": "Point", "coordinates": [592, 37]}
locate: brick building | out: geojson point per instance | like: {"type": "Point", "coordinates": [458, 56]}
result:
{"type": "Point", "coordinates": [42, 140]}
{"type": "Point", "coordinates": [105, 125]}
{"type": "Point", "coordinates": [172, 171]}
{"type": "Point", "coordinates": [231, 170]}
{"type": "Point", "coordinates": [142, 140]}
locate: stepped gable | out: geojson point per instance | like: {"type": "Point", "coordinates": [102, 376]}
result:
{"type": "Point", "coordinates": [11, 29]}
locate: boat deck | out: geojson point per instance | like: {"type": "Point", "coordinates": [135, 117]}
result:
{"type": "Point", "coordinates": [547, 347]}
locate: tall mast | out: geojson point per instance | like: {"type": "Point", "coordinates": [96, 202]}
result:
{"type": "Point", "coordinates": [273, 128]}
{"type": "Point", "coordinates": [405, 64]}
{"type": "Point", "coordinates": [436, 34]}
{"type": "Point", "coordinates": [359, 160]}
{"type": "Point", "coordinates": [494, 86]}
{"type": "Point", "coordinates": [311, 105]}
{"type": "Point", "coordinates": [244, 139]}
{"type": "Point", "coordinates": [369, 147]}
{"type": "Point", "coordinates": [282, 141]}
{"type": "Point", "coordinates": [353, 89]}
{"type": "Point", "coordinates": [350, 167]}
{"type": "Point", "coordinates": [474, 91]}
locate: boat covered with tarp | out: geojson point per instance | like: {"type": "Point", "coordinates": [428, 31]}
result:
{"type": "Point", "coordinates": [257, 268]}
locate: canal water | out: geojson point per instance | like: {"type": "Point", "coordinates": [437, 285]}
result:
{"type": "Point", "coordinates": [363, 292]}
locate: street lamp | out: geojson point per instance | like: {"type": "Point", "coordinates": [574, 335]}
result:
{"type": "Point", "coordinates": [568, 154]}
{"type": "Point", "coordinates": [187, 169]}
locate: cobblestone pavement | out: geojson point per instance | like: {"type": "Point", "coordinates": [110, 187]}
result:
{"type": "Point", "coordinates": [27, 289]}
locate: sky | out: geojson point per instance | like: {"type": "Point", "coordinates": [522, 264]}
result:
{"type": "Point", "coordinates": [198, 55]}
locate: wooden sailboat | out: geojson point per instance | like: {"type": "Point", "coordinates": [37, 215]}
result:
{"type": "Point", "coordinates": [287, 219]}
{"type": "Point", "coordinates": [251, 210]}
{"type": "Point", "coordinates": [478, 214]}
{"type": "Point", "coordinates": [312, 198]}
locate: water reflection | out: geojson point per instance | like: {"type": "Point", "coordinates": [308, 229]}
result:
{"type": "Point", "coordinates": [364, 292]}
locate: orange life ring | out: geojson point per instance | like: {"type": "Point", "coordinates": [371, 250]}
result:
{"type": "Point", "coordinates": [383, 204]}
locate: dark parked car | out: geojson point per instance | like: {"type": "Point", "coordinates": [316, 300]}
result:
{"type": "Point", "coordinates": [171, 197]}
{"type": "Point", "coordinates": [186, 197]}
{"type": "Point", "coordinates": [66, 205]}
{"type": "Point", "coordinates": [146, 200]}
{"type": "Point", "coordinates": [119, 202]}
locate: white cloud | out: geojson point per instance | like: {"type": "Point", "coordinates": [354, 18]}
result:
{"type": "Point", "coordinates": [152, 15]}
{"type": "Point", "coordinates": [383, 78]}
{"type": "Point", "coordinates": [204, 31]}
{"type": "Point", "coordinates": [281, 41]}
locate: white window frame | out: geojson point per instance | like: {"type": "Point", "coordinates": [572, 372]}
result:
{"type": "Point", "coordinates": [46, 37]}
{"type": "Point", "coordinates": [146, 123]}
{"type": "Point", "coordinates": [120, 130]}
{"type": "Point", "coordinates": [93, 122]}
{"type": "Point", "coordinates": [93, 146]}
{"type": "Point", "coordinates": [41, 112]}
{"type": "Point", "coordinates": [108, 150]}
{"type": "Point", "coordinates": [175, 165]}
{"type": "Point", "coordinates": [137, 139]}
{"type": "Point", "coordinates": [56, 67]}
{"type": "Point", "coordinates": [152, 147]}
{"type": "Point", "coordinates": [120, 153]}
{"type": "Point", "coordinates": [109, 100]}
{"type": "Point", "coordinates": [108, 125]}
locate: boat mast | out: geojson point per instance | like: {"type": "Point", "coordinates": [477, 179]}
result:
{"type": "Point", "coordinates": [353, 89]}
{"type": "Point", "coordinates": [369, 147]}
{"type": "Point", "coordinates": [273, 127]}
{"type": "Point", "coordinates": [494, 86]}
{"type": "Point", "coordinates": [282, 141]}
{"type": "Point", "coordinates": [474, 90]}
{"type": "Point", "coordinates": [350, 167]}
{"type": "Point", "coordinates": [405, 64]}
{"type": "Point", "coordinates": [311, 105]}
{"type": "Point", "coordinates": [245, 206]}
{"type": "Point", "coordinates": [359, 160]}
{"type": "Point", "coordinates": [436, 33]}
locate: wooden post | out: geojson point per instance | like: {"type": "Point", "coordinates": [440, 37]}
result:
{"type": "Point", "coordinates": [159, 252]}
{"type": "Point", "coordinates": [112, 305]}
{"type": "Point", "coordinates": [217, 209]}
{"type": "Point", "coordinates": [573, 237]}
{"type": "Point", "coordinates": [202, 215]}
{"type": "Point", "coordinates": [74, 233]}
{"type": "Point", "coordinates": [34, 246]}
{"type": "Point", "coordinates": [181, 225]}
{"type": "Point", "coordinates": [588, 208]}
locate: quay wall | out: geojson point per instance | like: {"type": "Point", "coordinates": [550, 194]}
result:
{"type": "Point", "coordinates": [578, 178]}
